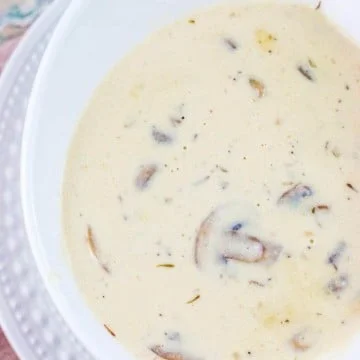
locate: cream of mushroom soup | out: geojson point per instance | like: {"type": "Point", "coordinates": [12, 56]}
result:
{"type": "Point", "coordinates": [211, 199]}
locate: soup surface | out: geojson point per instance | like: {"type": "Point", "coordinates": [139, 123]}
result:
{"type": "Point", "coordinates": [211, 196]}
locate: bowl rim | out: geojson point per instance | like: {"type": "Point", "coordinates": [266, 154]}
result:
{"type": "Point", "coordinates": [98, 340]}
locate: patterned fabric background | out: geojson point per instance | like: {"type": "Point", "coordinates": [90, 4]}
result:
{"type": "Point", "coordinates": [15, 18]}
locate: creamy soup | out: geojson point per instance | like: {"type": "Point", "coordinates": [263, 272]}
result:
{"type": "Point", "coordinates": [211, 196]}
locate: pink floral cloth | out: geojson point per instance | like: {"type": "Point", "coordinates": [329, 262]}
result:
{"type": "Point", "coordinates": [15, 18]}
{"type": "Point", "coordinates": [6, 353]}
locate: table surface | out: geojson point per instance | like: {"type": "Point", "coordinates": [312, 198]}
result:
{"type": "Point", "coordinates": [16, 16]}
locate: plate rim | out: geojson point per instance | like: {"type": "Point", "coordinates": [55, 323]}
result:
{"type": "Point", "coordinates": [58, 35]}
{"type": "Point", "coordinates": [48, 18]}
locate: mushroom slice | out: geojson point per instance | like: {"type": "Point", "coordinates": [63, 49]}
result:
{"type": "Point", "coordinates": [167, 355]}
{"type": "Point", "coordinates": [250, 249]}
{"type": "Point", "coordinates": [145, 175]}
{"type": "Point", "coordinates": [160, 137]}
{"type": "Point", "coordinates": [244, 248]}
{"type": "Point", "coordinates": [336, 254]}
{"type": "Point", "coordinates": [272, 252]}
{"type": "Point", "coordinates": [304, 340]}
{"type": "Point", "coordinates": [338, 284]}
{"type": "Point", "coordinates": [94, 250]}
{"type": "Point", "coordinates": [295, 194]}
{"type": "Point", "coordinates": [202, 238]}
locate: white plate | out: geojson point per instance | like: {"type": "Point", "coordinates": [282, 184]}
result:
{"type": "Point", "coordinates": [91, 37]}
{"type": "Point", "coordinates": [27, 313]}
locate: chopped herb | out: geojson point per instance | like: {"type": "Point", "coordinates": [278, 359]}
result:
{"type": "Point", "coordinates": [165, 266]}
{"type": "Point", "coordinates": [145, 175]}
{"type": "Point", "coordinates": [197, 297]}
{"type": "Point", "coordinates": [319, 207]}
{"type": "Point", "coordinates": [312, 63]}
{"type": "Point", "coordinates": [258, 86]}
{"type": "Point", "coordinates": [222, 169]}
{"type": "Point", "coordinates": [202, 181]}
{"type": "Point", "coordinates": [336, 152]}
{"type": "Point", "coordinates": [350, 186]}
{"type": "Point", "coordinates": [109, 330]}
{"type": "Point", "coordinates": [256, 283]}
{"type": "Point", "coordinates": [192, 21]}
{"type": "Point", "coordinates": [231, 44]}
{"type": "Point", "coordinates": [306, 72]}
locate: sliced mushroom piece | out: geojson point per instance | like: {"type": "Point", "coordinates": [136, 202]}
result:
{"type": "Point", "coordinates": [295, 194]}
{"type": "Point", "coordinates": [244, 248]}
{"type": "Point", "coordinates": [216, 245]}
{"type": "Point", "coordinates": [160, 137]}
{"type": "Point", "coordinates": [145, 175]}
{"type": "Point", "coordinates": [249, 249]}
{"type": "Point", "coordinates": [272, 252]}
{"type": "Point", "coordinates": [94, 250]}
{"type": "Point", "coordinates": [202, 238]}
{"type": "Point", "coordinates": [338, 284]}
{"type": "Point", "coordinates": [167, 355]}
{"type": "Point", "coordinates": [336, 254]}
{"type": "Point", "coordinates": [304, 340]}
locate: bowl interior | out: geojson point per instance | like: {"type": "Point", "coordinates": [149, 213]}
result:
{"type": "Point", "coordinates": [90, 39]}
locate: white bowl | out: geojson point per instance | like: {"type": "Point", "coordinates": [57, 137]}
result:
{"type": "Point", "coordinates": [91, 38]}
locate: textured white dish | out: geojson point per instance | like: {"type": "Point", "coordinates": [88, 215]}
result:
{"type": "Point", "coordinates": [89, 40]}
{"type": "Point", "coordinates": [27, 313]}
